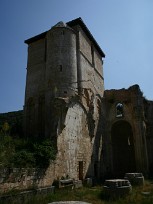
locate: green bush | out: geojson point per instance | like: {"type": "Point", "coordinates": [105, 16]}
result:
{"type": "Point", "coordinates": [44, 152]}
{"type": "Point", "coordinates": [23, 158]}
{"type": "Point", "coordinates": [15, 152]}
{"type": "Point", "coordinates": [7, 150]}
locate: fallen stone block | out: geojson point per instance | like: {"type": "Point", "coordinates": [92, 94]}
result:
{"type": "Point", "coordinates": [116, 188]}
{"type": "Point", "coordinates": [135, 178]}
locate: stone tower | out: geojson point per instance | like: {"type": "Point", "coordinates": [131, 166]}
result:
{"type": "Point", "coordinates": [63, 62]}
{"type": "Point", "coordinates": [64, 87]}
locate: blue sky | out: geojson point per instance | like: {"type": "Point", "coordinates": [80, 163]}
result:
{"type": "Point", "coordinates": [122, 28]}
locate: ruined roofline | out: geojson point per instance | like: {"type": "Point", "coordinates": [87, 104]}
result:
{"type": "Point", "coordinates": [77, 21]}
{"type": "Point", "coordinates": [133, 87]}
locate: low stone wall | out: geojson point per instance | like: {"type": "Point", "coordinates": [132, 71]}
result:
{"type": "Point", "coordinates": [25, 178]}
{"type": "Point", "coordinates": [25, 195]}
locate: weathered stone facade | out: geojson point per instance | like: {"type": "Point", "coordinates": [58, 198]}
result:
{"type": "Point", "coordinates": [63, 95]}
{"type": "Point", "coordinates": [98, 133]}
{"type": "Point", "coordinates": [125, 131]}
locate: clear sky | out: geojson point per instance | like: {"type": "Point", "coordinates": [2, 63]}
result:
{"type": "Point", "coordinates": [122, 28]}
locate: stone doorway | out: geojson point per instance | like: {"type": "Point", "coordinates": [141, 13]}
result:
{"type": "Point", "coordinates": [80, 170]}
{"type": "Point", "coordinates": [122, 149]}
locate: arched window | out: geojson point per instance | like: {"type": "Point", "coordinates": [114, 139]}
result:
{"type": "Point", "coordinates": [119, 110]}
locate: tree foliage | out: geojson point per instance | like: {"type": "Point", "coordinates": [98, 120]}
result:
{"type": "Point", "coordinates": [16, 151]}
{"type": "Point", "coordinates": [21, 153]}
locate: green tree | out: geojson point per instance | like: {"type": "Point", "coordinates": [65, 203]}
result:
{"type": "Point", "coordinates": [5, 128]}
{"type": "Point", "coordinates": [44, 152]}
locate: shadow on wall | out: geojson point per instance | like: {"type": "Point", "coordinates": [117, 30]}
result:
{"type": "Point", "coordinates": [98, 168]}
{"type": "Point", "coordinates": [122, 150]}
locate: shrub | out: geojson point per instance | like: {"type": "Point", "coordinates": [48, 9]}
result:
{"type": "Point", "coordinates": [23, 159]}
{"type": "Point", "coordinates": [44, 152]}
{"type": "Point", "coordinates": [15, 152]}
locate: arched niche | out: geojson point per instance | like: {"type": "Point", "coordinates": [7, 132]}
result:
{"type": "Point", "coordinates": [119, 110]}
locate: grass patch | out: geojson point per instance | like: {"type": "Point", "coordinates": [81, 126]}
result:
{"type": "Point", "coordinates": [93, 195]}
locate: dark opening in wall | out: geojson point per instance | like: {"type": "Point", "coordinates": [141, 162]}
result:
{"type": "Point", "coordinates": [65, 92]}
{"type": "Point", "coordinates": [60, 68]}
{"type": "Point", "coordinates": [119, 110]}
{"type": "Point", "coordinates": [80, 170]}
{"type": "Point", "coordinates": [123, 148]}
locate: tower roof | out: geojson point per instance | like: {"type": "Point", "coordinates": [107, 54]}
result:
{"type": "Point", "coordinates": [60, 24]}
{"type": "Point", "coordinates": [77, 21]}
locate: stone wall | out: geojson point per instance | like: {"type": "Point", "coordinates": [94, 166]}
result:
{"type": "Point", "coordinates": [74, 143]}
{"type": "Point", "coordinates": [35, 69]}
{"type": "Point", "coordinates": [25, 178]}
{"type": "Point", "coordinates": [77, 138]}
{"type": "Point", "coordinates": [90, 65]}
{"type": "Point", "coordinates": [130, 118]}
{"type": "Point", "coordinates": [149, 132]}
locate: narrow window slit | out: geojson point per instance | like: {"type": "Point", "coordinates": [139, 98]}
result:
{"type": "Point", "coordinates": [60, 68]}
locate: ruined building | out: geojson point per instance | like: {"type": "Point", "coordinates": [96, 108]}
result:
{"type": "Point", "coordinates": [98, 133]}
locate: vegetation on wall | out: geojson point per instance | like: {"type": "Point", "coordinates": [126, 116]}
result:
{"type": "Point", "coordinates": [16, 151]}
{"type": "Point", "coordinates": [21, 153]}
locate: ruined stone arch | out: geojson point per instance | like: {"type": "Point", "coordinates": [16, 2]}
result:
{"type": "Point", "coordinates": [123, 148]}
